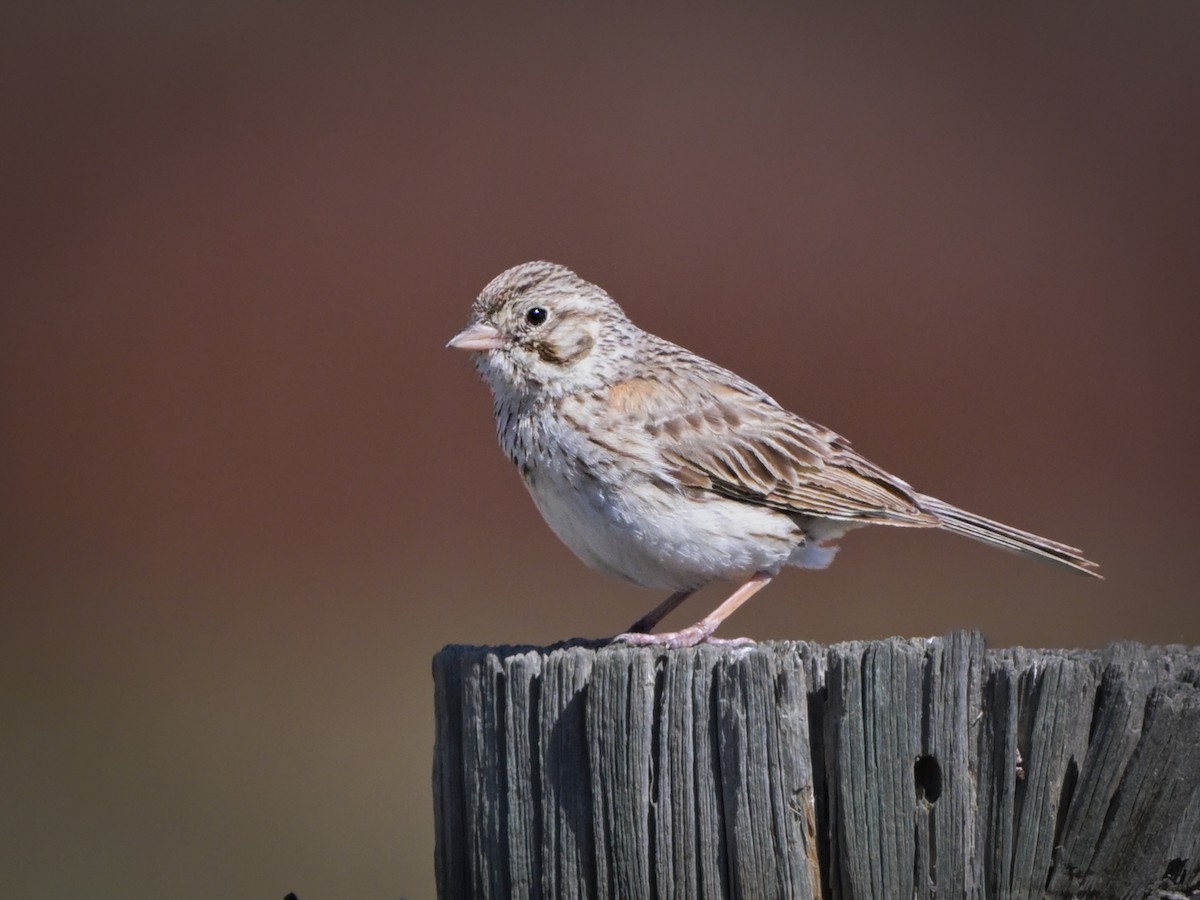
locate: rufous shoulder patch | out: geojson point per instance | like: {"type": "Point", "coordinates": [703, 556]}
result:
{"type": "Point", "coordinates": [633, 396]}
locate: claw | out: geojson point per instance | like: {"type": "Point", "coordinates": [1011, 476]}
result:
{"type": "Point", "coordinates": [673, 640]}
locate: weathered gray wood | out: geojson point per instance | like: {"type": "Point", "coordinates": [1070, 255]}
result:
{"type": "Point", "coordinates": [689, 838]}
{"type": "Point", "coordinates": [889, 769]}
{"type": "Point", "coordinates": [620, 716]}
{"type": "Point", "coordinates": [767, 783]}
{"type": "Point", "coordinates": [567, 844]}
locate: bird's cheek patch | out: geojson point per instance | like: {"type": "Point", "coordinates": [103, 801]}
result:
{"type": "Point", "coordinates": [564, 354]}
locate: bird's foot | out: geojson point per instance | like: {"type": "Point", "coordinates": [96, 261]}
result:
{"type": "Point", "coordinates": [685, 637]}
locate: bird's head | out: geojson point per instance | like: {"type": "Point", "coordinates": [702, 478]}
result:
{"type": "Point", "coordinates": [540, 329]}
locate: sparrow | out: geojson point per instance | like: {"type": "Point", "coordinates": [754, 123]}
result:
{"type": "Point", "coordinates": [657, 466]}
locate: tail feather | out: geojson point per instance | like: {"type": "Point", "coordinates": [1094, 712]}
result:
{"type": "Point", "coordinates": [991, 532]}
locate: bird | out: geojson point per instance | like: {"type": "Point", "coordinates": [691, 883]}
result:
{"type": "Point", "coordinates": [657, 466]}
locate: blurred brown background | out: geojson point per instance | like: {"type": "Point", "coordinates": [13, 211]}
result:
{"type": "Point", "coordinates": [247, 495]}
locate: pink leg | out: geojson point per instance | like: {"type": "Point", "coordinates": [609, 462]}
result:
{"type": "Point", "coordinates": [660, 612]}
{"type": "Point", "coordinates": [702, 630]}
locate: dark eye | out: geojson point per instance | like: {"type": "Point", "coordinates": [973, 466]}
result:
{"type": "Point", "coordinates": [536, 315]}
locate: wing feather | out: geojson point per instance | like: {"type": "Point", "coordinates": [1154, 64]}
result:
{"type": "Point", "coordinates": [716, 431]}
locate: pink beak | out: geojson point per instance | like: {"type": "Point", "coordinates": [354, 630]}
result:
{"type": "Point", "coordinates": [477, 337]}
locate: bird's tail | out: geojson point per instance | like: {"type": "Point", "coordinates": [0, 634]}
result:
{"type": "Point", "coordinates": [991, 532]}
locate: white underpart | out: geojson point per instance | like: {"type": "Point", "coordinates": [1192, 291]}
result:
{"type": "Point", "coordinates": [654, 545]}
{"type": "Point", "coordinates": [813, 555]}
{"type": "Point", "coordinates": [639, 529]}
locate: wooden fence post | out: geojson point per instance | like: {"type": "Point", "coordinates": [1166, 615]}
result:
{"type": "Point", "coordinates": [886, 769]}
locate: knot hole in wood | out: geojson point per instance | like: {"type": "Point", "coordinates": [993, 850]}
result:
{"type": "Point", "coordinates": [927, 773]}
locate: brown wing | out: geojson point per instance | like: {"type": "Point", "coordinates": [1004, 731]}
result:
{"type": "Point", "coordinates": [717, 432]}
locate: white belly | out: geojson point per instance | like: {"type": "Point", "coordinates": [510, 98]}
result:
{"type": "Point", "coordinates": [656, 538]}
